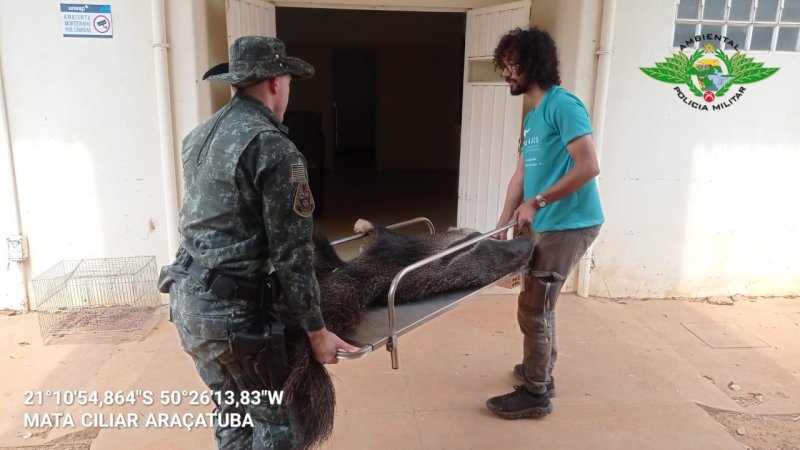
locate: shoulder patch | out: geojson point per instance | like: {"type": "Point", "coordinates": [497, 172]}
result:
{"type": "Point", "coordinates": [298, 173]}
{"type": "Point", "coordinates": [303, 203]}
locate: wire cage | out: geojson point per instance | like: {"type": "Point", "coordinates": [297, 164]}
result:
{"type": "Point", "coordinates": [110, 299]}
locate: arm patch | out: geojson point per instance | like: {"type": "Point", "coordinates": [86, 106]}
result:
{"type": "Point", "coordinates": [303, 203]}
{"type": "Point", "coordinates": [298, 173]}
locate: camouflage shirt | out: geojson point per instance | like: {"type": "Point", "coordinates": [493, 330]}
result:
{"type": "Point", "coordinates": [247, 205]}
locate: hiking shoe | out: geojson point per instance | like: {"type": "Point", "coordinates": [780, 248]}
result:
{"type": "Point", "coordinates": [519, 404]}
{"type": "Point", "coordinates": [551, 385]}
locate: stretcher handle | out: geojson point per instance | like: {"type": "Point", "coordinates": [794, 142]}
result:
{"type": "Point", "coordinates": [391, 344]}
{"type": "Point", "coordinates": [362, 352]}
{"type": "Point", "coordinates": [391, 227]}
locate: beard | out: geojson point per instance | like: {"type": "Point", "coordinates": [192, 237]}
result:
{"type": "Point", "coordinates": [520, 87]}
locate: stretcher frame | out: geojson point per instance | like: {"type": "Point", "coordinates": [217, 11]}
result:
{"type": "Point", "coordinates": [383, 325]}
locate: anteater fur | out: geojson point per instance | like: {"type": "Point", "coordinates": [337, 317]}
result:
{"type": "Point", "coordinates": [347, 288]}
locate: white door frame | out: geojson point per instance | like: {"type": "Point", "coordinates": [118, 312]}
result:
{"type": "Point", "coordinates": [491, 117]}
{"type": "Point", "coordinates": [487, 160]}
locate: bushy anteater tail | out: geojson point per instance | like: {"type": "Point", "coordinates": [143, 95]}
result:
{"type": "Point", "coordinates": [310, 397]}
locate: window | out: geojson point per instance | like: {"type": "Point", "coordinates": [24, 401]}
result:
{"type": "Point", "coordinates": [766, 25]}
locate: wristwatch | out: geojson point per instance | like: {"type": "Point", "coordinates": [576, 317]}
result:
{"type": "Point", "coordinates": [541, 201]}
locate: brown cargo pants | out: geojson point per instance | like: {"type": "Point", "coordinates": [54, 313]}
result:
{"type": "Point", "coordinates": [554, 251]}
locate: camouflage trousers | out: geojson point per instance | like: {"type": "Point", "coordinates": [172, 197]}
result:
{"type": "Point", "coordinates": [203, 324]}
{"type": "Point", "coordinates": [554, 251]}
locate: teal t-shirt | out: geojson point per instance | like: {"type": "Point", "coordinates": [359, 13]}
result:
{"type": "Point", "coordinates": [559, 118]}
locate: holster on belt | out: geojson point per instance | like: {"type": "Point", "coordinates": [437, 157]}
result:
{"type": "Point", "coordinates": [261, 352]}
{"type": "Point", "coordinates": [263, 356]}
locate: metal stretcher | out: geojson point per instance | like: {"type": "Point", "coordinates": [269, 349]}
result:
{"type": "Point", "coordinates": [383, 325]}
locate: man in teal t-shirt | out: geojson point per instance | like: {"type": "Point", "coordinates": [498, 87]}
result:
{"type": "Point", "coordinates": [554, 192]}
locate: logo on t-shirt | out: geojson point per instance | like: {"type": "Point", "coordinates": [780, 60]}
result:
{"type": "Point", "coordinates": [533, 140]}
{"type": "Point", "coordinates": [709, 73]}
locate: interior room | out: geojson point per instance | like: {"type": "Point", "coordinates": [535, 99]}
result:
{"type": "Point", "coordinates": [380, 121]}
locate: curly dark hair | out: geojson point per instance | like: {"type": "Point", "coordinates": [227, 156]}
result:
{"type": "Point", "coordinates": [538, 58]}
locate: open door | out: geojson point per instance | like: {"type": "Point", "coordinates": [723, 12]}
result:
{"type": "Point", "coordinates": [354, 109]}
{"type": "Point", "coordinates": [491, 117]}
{"type": "Point", "coordinates": [249, 18]}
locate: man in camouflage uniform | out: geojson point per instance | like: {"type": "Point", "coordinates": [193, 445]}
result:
{"type": "Point", "coordinates": [247, 208]}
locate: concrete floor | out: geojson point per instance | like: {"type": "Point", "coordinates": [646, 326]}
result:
{"type": "Point", "coordinates": [630, 376]}
{"type": "Point", "coordinates": [630, 373]}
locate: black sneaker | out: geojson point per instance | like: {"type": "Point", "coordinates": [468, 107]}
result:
{"type": "Point", "coordinates": [519, 404]}
{"type": "Point", "coordinates": [551, 386]}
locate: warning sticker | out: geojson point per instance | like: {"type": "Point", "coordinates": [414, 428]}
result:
{"type": "Point", "coordinates": [92, 21]}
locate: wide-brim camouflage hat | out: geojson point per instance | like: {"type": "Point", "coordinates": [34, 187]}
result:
{"type": "Point", "coordinates": [257, 58]}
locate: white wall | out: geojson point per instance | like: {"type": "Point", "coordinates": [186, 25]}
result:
{"type": "Point", "coordinates": [574, 25]}
{"type": "Point", "coordinates": [82, 117]}
{"type": "Point", "coordinates": [575, 28]}
{"type": "Point", "coordinates": [12, 279]}
{"type": "Point", "coordinates": [697, 203]}
{"type": "Point", "coordinates": [197, 35]}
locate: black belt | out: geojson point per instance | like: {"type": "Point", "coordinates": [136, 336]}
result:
{"type": "Point", "coordinates": [260, 292]}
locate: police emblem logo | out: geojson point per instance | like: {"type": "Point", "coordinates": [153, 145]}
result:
{"type": "Point", "coordinates": [303, 200]}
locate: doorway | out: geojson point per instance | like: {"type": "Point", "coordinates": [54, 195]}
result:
{"type": "Point", "coordinates": [388, 89]}
{"type": "Point", "coordinates": [354, 100]}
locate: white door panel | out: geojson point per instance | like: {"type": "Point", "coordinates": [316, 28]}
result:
{"type": "Point", "coordinates": [485, 26]}
{"type": "Point", "coordinates": [249, 18]}
{"type": "Point", "coordinates": [491, 118]}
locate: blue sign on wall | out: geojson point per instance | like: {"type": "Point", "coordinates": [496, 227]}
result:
{"type": "Point", "coordinates": [87, 20]}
